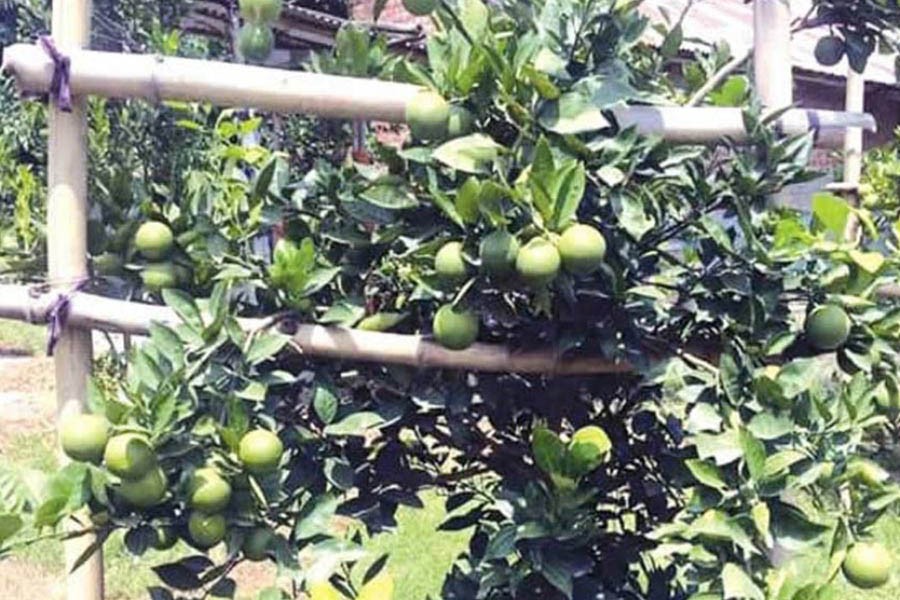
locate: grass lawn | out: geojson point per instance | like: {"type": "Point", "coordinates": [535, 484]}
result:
{"type": "Point", "coordinates": [22, 338]}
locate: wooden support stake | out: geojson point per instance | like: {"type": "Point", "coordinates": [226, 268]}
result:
{"type": "Point", "coordinates": [855, 98]}
{"type": "Point", "coordinates": [67, 211]}
{"type": "Point", "coordinates": [772, 63]}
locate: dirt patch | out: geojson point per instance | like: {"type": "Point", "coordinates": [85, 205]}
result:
{"type": "Point", "coordinates": [20, 579]}
{"type": "Point", "coordinates": [27, 404]}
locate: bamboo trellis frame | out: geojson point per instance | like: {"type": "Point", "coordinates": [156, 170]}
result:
{"type": "Point", "coordinates": [158, 78]}
{"type": "Point", "coordinates": [155, 78]}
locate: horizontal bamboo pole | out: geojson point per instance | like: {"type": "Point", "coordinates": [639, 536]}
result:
{"type": "Point", "coordinates": [153, 77]}
{"type": "Point", "coordinates": [229, 84]}
{"type": "Point", "coordinates": [97, 312]}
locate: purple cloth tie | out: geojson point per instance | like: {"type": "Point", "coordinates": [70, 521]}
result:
{"type": "Point", "coordinates": [59, 86]}
{"type": "Point", "coordinates": [58, 315]}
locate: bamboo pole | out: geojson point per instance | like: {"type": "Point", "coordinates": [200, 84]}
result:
{"type": "Point", "coordinates": [67, 209]}
{"type": "Point", "coordinates": [855, 99]}
{"type": "Point", "coordinates": [230, 84]}
{"type": "Point", "coordinates": [87, 310]}
{"type": "Point", "coordinates": [115, 75]}
{"type": "Point", "coordinates": [772, 64]}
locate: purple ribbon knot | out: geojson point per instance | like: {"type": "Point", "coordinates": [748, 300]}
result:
{"type": "Point", "coordinates": [60, 88]}
{"type": "Point", "coordinates": [58, 315]}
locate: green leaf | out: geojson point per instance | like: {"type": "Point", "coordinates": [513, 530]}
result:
{"type": "Point", "coordinates": [467, 200]}
{"type": "Point", "coordinates": [715, 525]}
{"type": "Point", "coordinates": [737, 584]}
{"type": "Point", "coordinates": [471, 154]}
{"type": "Point", "coordinates": [315, 517]}
{"type": "Point", "coordinates": [731, 93]}
{"type": "Point", "coordinates": [325, 403]}
{"type": "Point", "coordinates": [780, 462]}
{"type": "Point", "coordinates": [475, 18]}
{"type": "Point", "coordinates": [723, 448]}
{"type": "Point", "coordinates": [185, 307]}
{"type": "Point", "coordinates": [754, 455]}
{"type": "Point", "coordinates": [344, 313]}
{"type": "Point", "coordinates": [766, 426]}
{"type": "Point", "coordinates": [265, 346]}
{"type": "Point", "coordinates": [357, 424]}
{"type": "Point", "coordinates": [571, 114]}
{"type": "Point", "coordinates": [548, 450]}
{"type": "Point", "coordinates": [830, 213]}
{"type": "Point", "coordinates": [382, 321]}
{"type": "Point", "coordinates": [762, 517]}
{"type": "Point", "coordinates": [798, 376]}
{"type": "Point", "coordinates": [706, 473]}
{"type": "Point", "coordinates": [632, 217]}
{"type": "Point", "coordinates": [393, 195]}
{"type": "Point", "coordinates": [9, 526]}
{"type": "Point", "coordinates": [569, 195]}
{"type": "Point", "coordinates": [502, 543]}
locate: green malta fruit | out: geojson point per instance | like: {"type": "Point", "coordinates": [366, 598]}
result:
{"type": "Point", "coordinates": [867, 565]}
{"type": "Point", "coordinates": [257, 543]}
{"type": "Point", "coordinates": [538, 262]}
{"type": "Point", "coordinates": [84, 437]}
{"type": "Point", "coordinates": [461, 122]}
{"type": "Point", "coordinates": [164, 537]}
{"type": "Point", "coordinates": [208, 491]}
{"type": "Point", "coordinates": [107, 264]}
{"type": "Point", "coordinates": [581, 248]}
{"type": "Point", "coordinates": [159, 276]}
{"type": "Point", "coordinates": [206, 530]}
{"type": "Point", "coordinates": [498, 251]}
{"type": "Point", "coordinates": [827, 327]}
{"type": "Point", "coordinates": [455, 329]}
{"type": "Point", "coordinates": [428, 116]}
{"type": "Point", "coordinates": [256, 42]}
{"type": "Point", "coordinates": [260, 11]}
{"type": "Point", "coordinates": [129, 455]}
{"type": "Point", "coordinates": [450, 264]}
{"type": "Point", "coordinates": [154, 240]}
{"type": "Point", "coordinates": [420, 8]}
{"type": "Point", "coordinates": [146, 491]}
{"type": "Point", "coordinates": [830, 50]}
{"type": "Point", "coordinates": [260, 451]}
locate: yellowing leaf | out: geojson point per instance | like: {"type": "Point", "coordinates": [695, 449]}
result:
{"type": "Point", "coordinates": [380, 587]}
{"type": "Point", "coordinates": [323, 590]}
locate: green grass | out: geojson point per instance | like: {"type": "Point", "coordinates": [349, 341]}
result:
{"type": "Point", "coordinates": [419, 554]}
{"type": "Point", "coordinates": [22, 338]}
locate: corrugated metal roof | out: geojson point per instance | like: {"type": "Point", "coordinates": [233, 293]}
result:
{"type": "Point", "coordinates": [732, 20]}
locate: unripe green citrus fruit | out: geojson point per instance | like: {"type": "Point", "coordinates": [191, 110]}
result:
{"type": "Point", "coordinates": [164, 537]}
{"type": "Point", "coordinates": [260, 11]}
{"type": "Point", "coordinates": [107, 264]}
{"type": "Point", "coordinates": [256, 42]}
{"type": "Point", "coordinates": [154, 240]}
{"type": "Point", "coordinates": [260, 451]}
{"type": "Point", "coordinates": [256, 544]}
{"type": "Point", "coordinates": [84, 437]}
{"type": "Point", "coordinates": [145, 491]}
{"type": "Point", "coordinates": [460, 122]}
{"type": "Point", "coordinates": [454, 328]}
{"type": "Point", "coordinates": [498, 251]}
{"type": "Point", "coordinates": [208, 491]}
{"type": "Point", "coordinates": [581, 248]}
{"type": "Point", "coordinates": [420, 8]}
{"type": "Point", "coordinates": [159, 276]}
{"type": "Point", "coordinates": [206, 530]}
{"type": "Point", "coordinates": [538, 262]}
{"type": "Point", "coordinates": [428, 116]}
{"type": "Point", "coordinates": [867, 565]}
{"type": "Point", "coordinates": [449, 263]}
{"type": "Point", "coordinates": [827, 327]}
{"type": "Point", "coordinates": [129, 455]}
{"type": "Point", "coordinates": [830, 50]}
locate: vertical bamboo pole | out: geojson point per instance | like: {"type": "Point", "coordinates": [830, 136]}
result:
{"type": "Point", "coordinates": [772, 67]}
{"type": "Point", "coordinates": [855, 99]}
{"type": "Point", "coordinates": [67, 209]}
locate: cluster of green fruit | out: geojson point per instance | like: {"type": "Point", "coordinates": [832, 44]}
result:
{"type": "Point", "coordinates": [143, 484]}
{"type": "Point", "coordinates": [432, 118]}
{"type": "Point", "coordinates": [256, 39]}
{"type": "Point", "coordinates": [155, 242]}
{"type": "Point", "coordinates": [579, 250]}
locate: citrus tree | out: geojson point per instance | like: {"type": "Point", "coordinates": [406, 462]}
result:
{"type": "Point", "coordinates": [518, 212]}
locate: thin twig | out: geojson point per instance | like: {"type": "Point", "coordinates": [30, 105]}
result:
{"type": "Point", "coordinates": [718, 77]}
